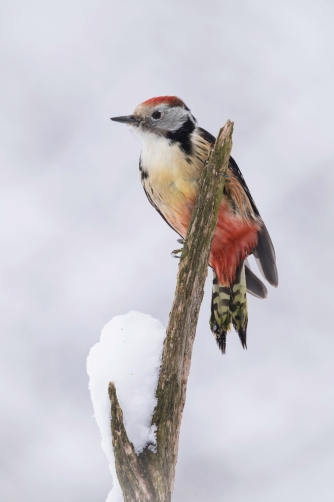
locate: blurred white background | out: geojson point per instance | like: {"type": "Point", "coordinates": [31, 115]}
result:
{"type": "Point", "coordinates": [81, 244]}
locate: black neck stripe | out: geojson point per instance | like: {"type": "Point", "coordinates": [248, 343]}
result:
{"type": "Point", "coordinates": [183, 136]}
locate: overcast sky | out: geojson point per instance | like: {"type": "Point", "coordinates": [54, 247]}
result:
{"type": "Point", "coordinates": [81, 244]}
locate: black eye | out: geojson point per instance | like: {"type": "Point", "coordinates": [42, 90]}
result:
{"type": "Point", "coordinates": [156, 115]}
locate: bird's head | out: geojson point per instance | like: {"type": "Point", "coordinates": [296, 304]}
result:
{"type": "Point", "coordinates": [164, 116]}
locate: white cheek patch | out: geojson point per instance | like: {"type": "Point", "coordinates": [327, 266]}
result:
{"type": "Point", "coordinates": [173, 119]}
{"type": "Point", "coordinates": [159, 153]}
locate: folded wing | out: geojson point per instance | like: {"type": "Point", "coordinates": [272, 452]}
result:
{"type": "Point", "coordinates": [264, 253]}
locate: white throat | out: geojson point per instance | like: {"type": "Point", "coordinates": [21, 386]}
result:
{"type": "Point", "coordinates": [158, 153]}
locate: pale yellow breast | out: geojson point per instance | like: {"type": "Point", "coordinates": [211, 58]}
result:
{"type": "Point", "coordinates": [172, 181]}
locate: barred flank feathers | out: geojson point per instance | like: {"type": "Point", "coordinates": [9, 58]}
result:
{"type": "Point", "coordinates": [220, 320]}
{"type": "Point", "coordinates": [229, 306]}
{"type": "Point", "coordinates": [238, 305]}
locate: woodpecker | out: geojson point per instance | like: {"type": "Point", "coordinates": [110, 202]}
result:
{"type": "Point", "coordinates": [174, 151]}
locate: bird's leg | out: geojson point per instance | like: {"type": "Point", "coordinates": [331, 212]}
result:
{"type": "Point", "coordinates": [178, 251]}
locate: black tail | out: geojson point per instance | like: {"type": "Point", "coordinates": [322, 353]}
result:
{"type": "Point", "coordinates": [265, 256]}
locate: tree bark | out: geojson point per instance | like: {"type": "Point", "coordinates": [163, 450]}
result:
{"type": "Point", "coordinates": [149, 476]}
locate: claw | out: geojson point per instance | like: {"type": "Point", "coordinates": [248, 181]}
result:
{"type": "Point", "coordinates": [176, 252]}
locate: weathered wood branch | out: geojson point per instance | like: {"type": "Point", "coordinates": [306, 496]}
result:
{"type": "Point", "coordinates": [149, 476]}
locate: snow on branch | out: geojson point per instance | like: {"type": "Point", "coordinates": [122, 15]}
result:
{"type": "Point", "coordinates": [129, 355]}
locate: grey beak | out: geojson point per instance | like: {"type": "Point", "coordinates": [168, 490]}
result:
{"type": "Point", "coordinates": [127, 119]}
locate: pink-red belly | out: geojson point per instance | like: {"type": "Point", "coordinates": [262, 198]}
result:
{"type": "Point", "coordinates": [234, 239]}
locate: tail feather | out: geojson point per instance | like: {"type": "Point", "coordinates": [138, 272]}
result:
{"type": "Point", "coordinates": [255, 286]}
{"type": "Point", "coordinates": [265, 257]}
{"type": "Point", "coordinates": [229, 306]}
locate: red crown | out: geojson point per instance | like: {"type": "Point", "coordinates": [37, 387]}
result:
{"type": "Point", "coordinates": [168, 100]}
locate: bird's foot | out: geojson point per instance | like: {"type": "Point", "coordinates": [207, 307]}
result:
{"type": "Point", "coordinates": [176, 252]}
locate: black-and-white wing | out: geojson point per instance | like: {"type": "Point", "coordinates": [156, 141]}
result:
{"type": "Point", "coordinates": [264, 253]}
